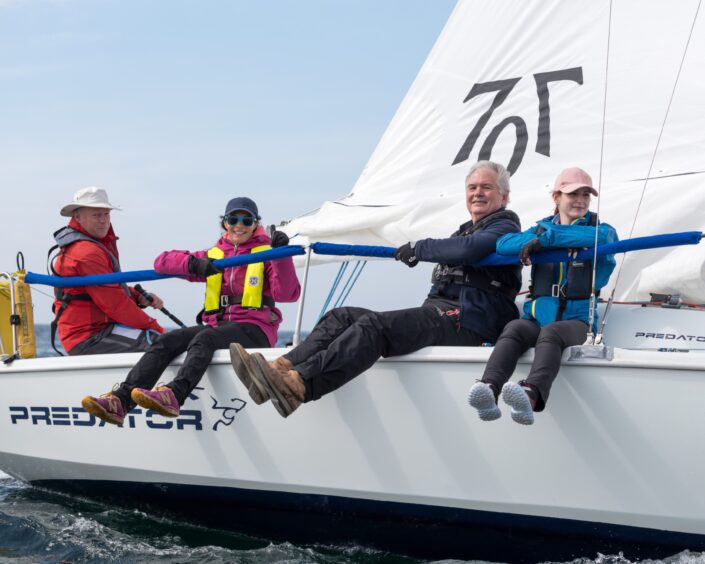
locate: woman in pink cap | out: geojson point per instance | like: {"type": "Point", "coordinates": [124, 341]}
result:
{"type": "Point", "coordinates": [557, 310]}
{"type": "Point", "coordinates": [239, 307]}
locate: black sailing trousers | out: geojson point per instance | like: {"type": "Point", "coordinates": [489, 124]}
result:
{"type": "Point", "coordinates": [199, 342]}
{"type": "Point", "coordinates": [550, 341]}
{"type": "Point", "coordinates": [349, 340]}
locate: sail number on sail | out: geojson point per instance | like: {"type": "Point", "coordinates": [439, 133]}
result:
{"type": "Point", "coordinates": [503, 89]}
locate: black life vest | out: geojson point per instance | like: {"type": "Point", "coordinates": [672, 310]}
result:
{"type": "Point", "coordinates": [476, 277]}
{"type": "Point", "coordinates": [65, 237]}
{"type": "Point", "coordinates": [578, 278]}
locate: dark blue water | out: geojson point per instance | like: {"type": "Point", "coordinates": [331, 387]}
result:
{"type": "Point", "coordinates": [42, 526]}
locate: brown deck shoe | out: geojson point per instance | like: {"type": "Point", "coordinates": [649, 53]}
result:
{"type": "Point", "coordinates": [286, 389]}
{"type": "Point", "coordinates": [282, 364]}
{"type": "Point", "coordinates": [242, 364]}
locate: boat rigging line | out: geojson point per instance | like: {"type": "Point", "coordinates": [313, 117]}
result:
{"type": "Point", "coordinates": [648, 174]}
{"type": "Point", "coordinates": [591, 338]}
{"type": "Point", "coordinates": [347, 287]}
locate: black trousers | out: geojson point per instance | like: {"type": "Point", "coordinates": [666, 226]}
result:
{"type": "Point", "coordinates": [107, 342]}
{"type": "Point", "coordinates": [550, 341]}
{"type": "Point", "coordinates": [199, 342]}
{"type": "Point", "coordinates": [349, 340]}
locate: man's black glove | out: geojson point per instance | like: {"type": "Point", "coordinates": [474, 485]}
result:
{"type": "Point", "coordinates": [202, 267]}
{"type": "Point", "coordinates": [533, 246]}
{"type": "Point", "coordinates": [407, 255]}
{"type": "Point", "coordinates": [279, 238]}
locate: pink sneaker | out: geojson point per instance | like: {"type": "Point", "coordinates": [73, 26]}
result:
{"type": "Point", "coordinates": [106, 407]}
{"type": "Point", "coordinates": [161, 399]}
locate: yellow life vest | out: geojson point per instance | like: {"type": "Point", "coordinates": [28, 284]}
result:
{"type": "Point", "coordinates": [254, 283]}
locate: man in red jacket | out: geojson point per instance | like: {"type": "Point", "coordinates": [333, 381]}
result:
{"type": "Point", "coordinates": [97, 319]}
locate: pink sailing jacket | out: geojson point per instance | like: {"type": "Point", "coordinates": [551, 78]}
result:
{"type": "Point", "coordinates": [280, 283]}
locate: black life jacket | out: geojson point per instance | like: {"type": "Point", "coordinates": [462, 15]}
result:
{"type": "Point", "coordinates": [65, 237]}
{"type": "Point", "coordinates": [476, 277]}
{"type": "Point", "coordinates": [578, 278]}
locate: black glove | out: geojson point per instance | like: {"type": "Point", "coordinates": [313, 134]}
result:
{"type": "Point", "coordinates": [279, 238]}
{"type": "Point", "coordinates": [202, 267]}
{"type": "Point", "coordinates": [533, 246]}
{"type": "Point", "coordinates": [407, 255]}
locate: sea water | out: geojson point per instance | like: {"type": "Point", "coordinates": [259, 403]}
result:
{"type": "Point", "coordinates": [41, 526]}
{"type": "Point", "coordinates": [37, 525]}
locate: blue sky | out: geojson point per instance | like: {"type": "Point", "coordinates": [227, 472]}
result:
{"type": "Point", "coordinates": [175, 106]}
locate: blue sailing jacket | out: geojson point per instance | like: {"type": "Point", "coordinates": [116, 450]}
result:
{"type": "Point", "coordinates": [544, 309]}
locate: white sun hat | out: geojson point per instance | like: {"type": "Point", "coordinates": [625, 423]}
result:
{"type": "Point", "coordinates": [90, 197]}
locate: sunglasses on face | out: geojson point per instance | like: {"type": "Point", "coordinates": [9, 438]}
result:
{"type": "Point", "coordinates": [246, 220]}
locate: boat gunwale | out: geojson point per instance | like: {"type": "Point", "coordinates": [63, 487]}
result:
{"type": "Point", "coordinates": [622, 358]}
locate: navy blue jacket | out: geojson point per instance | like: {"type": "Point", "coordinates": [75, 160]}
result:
{"type": "Point", "coordinates": [482, 312]}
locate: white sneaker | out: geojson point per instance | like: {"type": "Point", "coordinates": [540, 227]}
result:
{"type": "Point", "coordinates": [481, 398]}
{"type": "Point", "coordinates": [516, 397]}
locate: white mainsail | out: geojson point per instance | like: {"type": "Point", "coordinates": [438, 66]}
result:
{"type": "Point", "coordinates": [531, 80]}
{"type": "Point", "coordinates": [396, 458]}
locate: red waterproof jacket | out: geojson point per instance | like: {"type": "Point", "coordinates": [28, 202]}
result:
{"type": "Point", "coordinates": [108, 304]}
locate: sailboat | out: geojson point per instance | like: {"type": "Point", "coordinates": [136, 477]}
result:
{"type": "Point", "coordinates": [397, 459]}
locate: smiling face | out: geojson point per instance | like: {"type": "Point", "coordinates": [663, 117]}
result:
{"type": "Point", "coordinates": [239, 232]}
{"type": "Point", "coordinates": [96, 221]}
{"type": "Point", "coordinates": [572, 206]}
{"type": "Point", "coordinates": [482, 195]}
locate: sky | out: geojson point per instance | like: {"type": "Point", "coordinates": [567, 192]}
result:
{"type": "Point", "coordinates": [174, 107]}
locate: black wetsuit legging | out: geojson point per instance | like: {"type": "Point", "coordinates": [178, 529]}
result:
{"type": "Point", "coordinates": [200, 342]}
{"type": "Point", "coordinates": [349, 340]}
{"type": "Point", "coordinates": [550, 341]}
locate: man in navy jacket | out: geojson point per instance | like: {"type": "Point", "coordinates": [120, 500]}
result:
{"type": "Point", "coordinates": [467, 306]}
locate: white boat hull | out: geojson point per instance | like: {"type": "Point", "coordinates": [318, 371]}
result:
{"type": "Point", "coordinates": [615, 462]}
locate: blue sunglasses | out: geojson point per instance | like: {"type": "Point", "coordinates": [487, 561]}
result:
{"type": "Point", "coordinates": [246, 220]}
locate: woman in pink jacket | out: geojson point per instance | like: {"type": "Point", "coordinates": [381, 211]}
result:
{"type": "Point", "coordinates": [239, 308]}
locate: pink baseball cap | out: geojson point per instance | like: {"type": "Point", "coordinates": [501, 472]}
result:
{"type": "Point", "coordinates": [572, 179]}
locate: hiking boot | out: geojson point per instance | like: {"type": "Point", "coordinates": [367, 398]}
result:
{"type": "Point", "coordinates": [160, 399]}
{"type": "Point", "coordinates": [282, 364]}
{"type": "Point", "coordinates": [242, 364]}
{"type": "Point", "coordinates": [107, 407]}
{"type": "Point", "coordinates": [516, 397]}
{"type": "Point", "coordinates": [481, 397]}
{"type": "Point", "coordinates": [286, 389]}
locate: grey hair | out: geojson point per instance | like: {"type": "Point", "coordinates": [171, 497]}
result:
{"type": "Point", "coordinates": [501, 172]}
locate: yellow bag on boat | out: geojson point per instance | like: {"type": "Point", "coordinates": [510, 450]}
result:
{"type": "Point", "coordinates": [5, 312]}
{"type": "Point", "coordinates": [26, 343]}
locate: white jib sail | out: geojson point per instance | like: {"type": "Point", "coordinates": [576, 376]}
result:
{"type": "Point", "coordinates": [523, 83]}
